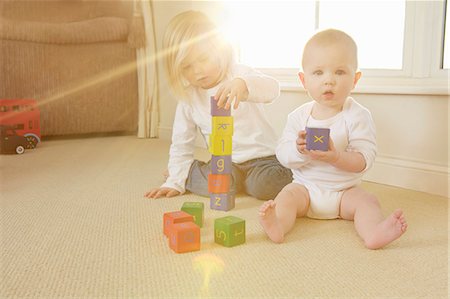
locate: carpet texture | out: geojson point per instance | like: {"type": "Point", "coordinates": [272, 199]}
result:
{"type": "Point", "coordinates": [74, 223]}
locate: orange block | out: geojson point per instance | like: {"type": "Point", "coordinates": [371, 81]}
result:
{"type": "Point", "coordinates": [184, 237]}
{"type": "Point", "coordinates": [171, 218]}
{"type": "Point", "coordinates": [218, 183]}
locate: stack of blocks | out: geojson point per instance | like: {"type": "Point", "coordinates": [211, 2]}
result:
{"type": "Point", "coordinates": [220, 146]}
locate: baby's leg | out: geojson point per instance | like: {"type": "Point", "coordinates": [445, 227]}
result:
{"type": "Point", "coordinates": [372, 227]}
{"type": "Point", "coordinates": [277, 217]}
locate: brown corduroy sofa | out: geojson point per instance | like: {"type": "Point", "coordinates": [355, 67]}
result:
{"type": "Point", "coordinates": [74, 58]}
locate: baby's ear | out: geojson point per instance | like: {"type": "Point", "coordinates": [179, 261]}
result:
{"type": "Point", "coordinates": [357, 77]}
{"type": "Point", "coordinates": [301, 76]}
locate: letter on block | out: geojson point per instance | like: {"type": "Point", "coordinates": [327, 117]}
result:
{"type": "Point", "coordinates": [216, 111]}
{"type": "Point", "coordinates": [229, 231]}
{"type": "Point", "coordinates": [222, 125]}
{"type": "Point", "coordinates": [221, 164]}
{"type": "Point", "coordinates": [221, 201]}
{"type": "Point", "coordinates": [218, 183]}
{"type": "Point", "coordinates": [171, 218]}
{"type": "Point", "coordinates": [220, 145]}
{"type": "Point", "coordinates": [196, 210]}
{"type": "Point", "coordinates": [184, 237]}
{"type": "Point", "coordinates": [317, 139]}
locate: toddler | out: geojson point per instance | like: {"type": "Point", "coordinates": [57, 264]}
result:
{"type": "Point", "coordinates": [200, 64]}
{"type": "Point", "coordinates": [325, 184]}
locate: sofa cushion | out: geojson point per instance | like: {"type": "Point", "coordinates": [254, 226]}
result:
{"type": "Point", "coordinates": [87, 31]}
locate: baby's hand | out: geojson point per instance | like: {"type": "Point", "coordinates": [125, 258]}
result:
{"type": "Point", "coordinates": [301, 143]}
{"type": "Point", "coordinates": [329, 156]}
{"type": "Point", "coordinates": [232, 91]}
{"type": "Point", "coordinates": [160, 192]}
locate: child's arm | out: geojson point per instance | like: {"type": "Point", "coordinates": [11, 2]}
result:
{"type": "Point", "coordinates": [247, 84]}
{"type": "Point", "coordinates": [361, 150]}
{"type": "Point", "coordinates": [291, 144]}
{"type": "Point", "coordinates": [181, 154]}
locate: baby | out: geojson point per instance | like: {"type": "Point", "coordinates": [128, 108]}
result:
{"type": "Point", "coordinates": [325, 184]}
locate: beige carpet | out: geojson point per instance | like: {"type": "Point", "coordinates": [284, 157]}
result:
{"type": "Point", "coordinates": [74, 223]}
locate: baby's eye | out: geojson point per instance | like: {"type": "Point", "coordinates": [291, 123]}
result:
{"type": "Point", "coordinates": [340, 72]}
{"type": "Point", "coordinates": [318, 73]}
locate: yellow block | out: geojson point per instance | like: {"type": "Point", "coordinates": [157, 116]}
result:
{"type": "Point", "coordinates": [222, 125]}
{"type": "Point", "coordinates": [220, 145]}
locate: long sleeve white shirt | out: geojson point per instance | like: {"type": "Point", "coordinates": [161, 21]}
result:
{"type": "Point", "coordinates": [351, 130]}
{"type": "Point", "coordinates": [253, 136]}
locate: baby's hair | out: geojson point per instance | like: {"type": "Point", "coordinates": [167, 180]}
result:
{"type": "Point", "coordinates": [330, 37]}
{"type": "Point", "coordinates": [184, 32]}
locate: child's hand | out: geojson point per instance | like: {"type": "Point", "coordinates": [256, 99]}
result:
{"type": "Point", "coordinates": [232, 91]}
{"type": "Point", "coordinates": [301, 143]}
{"type": "Point", "coordinates": [160, 192]}
{"type": "Point", "coordinates": [330, 156]}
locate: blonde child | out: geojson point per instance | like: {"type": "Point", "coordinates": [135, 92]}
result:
{"type": "Point", "coordinates": [325, 184]}
{"type": "Point", "coordinates": [200, 64]}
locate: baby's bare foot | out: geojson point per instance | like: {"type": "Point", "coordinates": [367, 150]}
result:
{"type": "Point", "coordinates": [388, 230]}
{"type": "Point", "coordinates": [269, 221]}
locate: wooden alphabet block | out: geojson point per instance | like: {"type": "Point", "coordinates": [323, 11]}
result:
{"type": "Point", "coordinates": [221, 164]}
{"type": "Point", "coordinates": [216, 111]}
{"type": "Point", "coordinates": [220, 145]}
{"type": "Point", "coordinates": [317, 139]}
{"type": "Point", "coordinates": [171, 218]}
{"type": "Point", "coordinates": [221, 201]}
{"type": "Point", "coordinates": [222, 125]}
{"type": "Point", "coordinates": [218, 183]}
{"type": "Point", "coordinates": [184, 237]}
{"type": "Point", "coordinates": [196, 210]}
{"type": "Point", "coordinates": [229, 231]}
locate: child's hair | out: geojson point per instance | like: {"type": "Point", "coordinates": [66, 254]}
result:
{"type": "Point", "coordinates": [184, 31]}
{"type": "Point", "coordinates": [329, 37]}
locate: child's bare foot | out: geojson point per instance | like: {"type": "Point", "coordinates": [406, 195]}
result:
{"type": "Point", "coordinates": [388, 230]}
{"type": "Point", "coordinates": [269, 221]}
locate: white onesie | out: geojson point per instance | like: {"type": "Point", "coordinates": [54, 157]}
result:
{"type": "Point", "coordinates": [351, 130]}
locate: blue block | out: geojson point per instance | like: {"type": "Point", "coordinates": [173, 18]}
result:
{"type": "Point", "coordinates": [317, 139]}
{"type": "Point", "coordinates": [221, 164]}
{"type": "Point", "coordinates": [216, 111]}
{"type": "Point", "coordinates": [222, 201]}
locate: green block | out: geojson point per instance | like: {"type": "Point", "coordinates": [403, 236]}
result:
{"type": "Point", "coordinates": [229, 231]}
{"type": "Point", "coordinates": [196, 210]}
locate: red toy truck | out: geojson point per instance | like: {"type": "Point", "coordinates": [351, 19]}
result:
{"type": "Point", "coordinates": [23, 116]}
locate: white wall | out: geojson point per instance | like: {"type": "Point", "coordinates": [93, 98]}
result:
{"type": "Point", "coordinates": [413, 130]}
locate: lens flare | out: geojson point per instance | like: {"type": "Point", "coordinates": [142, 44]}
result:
{"type": "Point", "coordinates": [208, 264]}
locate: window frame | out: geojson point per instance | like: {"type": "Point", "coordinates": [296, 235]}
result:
{"type": "Point", "coordinates": [418, 76]}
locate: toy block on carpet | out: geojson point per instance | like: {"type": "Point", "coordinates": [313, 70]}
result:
{"type": "Point", "coordinates": [171, 218]}
{"type": "Point", "coordinates": [222, 201]}
{"type": "Point", "coordinates": [184, 237]}
{"type": "Point", "coordinates": [229, 231]}
{"type": "Point", "coordinates": [196, 209]}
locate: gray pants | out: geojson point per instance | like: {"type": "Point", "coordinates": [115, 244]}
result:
{"type": "Point", "coordinates": [262, 178]}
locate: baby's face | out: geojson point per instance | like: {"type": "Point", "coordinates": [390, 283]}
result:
{"type": "Point", "coordinates": [201, 68]}
{"type": "Point", "coordinates": [329, 74]}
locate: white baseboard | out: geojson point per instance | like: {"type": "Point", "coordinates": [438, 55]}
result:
{"type": "Point", "coordinates": [395, 171]}
{"type": "Point", "coordinates": [410, 174]}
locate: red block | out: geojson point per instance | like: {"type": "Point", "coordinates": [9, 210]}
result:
{"type": "Point", "coordinates": [218, 183]}
{"type": "Point", "coordinates": [171, 218]}
{"type": "Point", "coordinates": [184, 237]}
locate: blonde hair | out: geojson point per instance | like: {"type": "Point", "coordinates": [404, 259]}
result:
{"type": "Point", "coordinates": [184, 32]}
{"type": "Point", "coordinates": [330, 37]}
